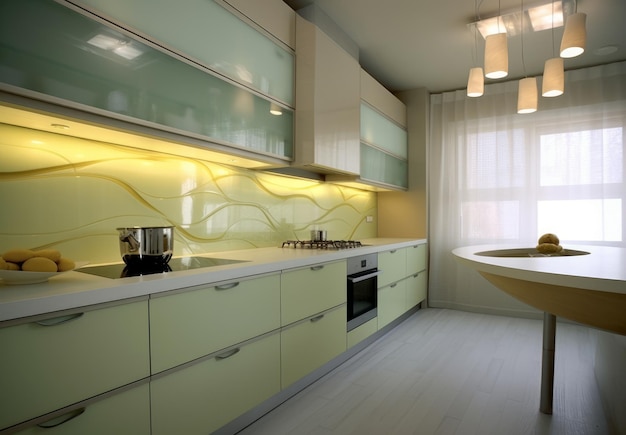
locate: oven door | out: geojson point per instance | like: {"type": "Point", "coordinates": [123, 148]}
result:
{"type": "Point", "coordinates": [362, 297]}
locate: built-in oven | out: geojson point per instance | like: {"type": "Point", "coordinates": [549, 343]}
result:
{"type": "Point", "coordinates": [362, 289]}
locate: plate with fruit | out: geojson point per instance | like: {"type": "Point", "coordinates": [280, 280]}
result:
{"type": "Point", "coordinates": [27, 266]}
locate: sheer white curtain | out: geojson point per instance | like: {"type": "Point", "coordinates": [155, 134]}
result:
{"type": "Point", "coordinates": [499, 177]}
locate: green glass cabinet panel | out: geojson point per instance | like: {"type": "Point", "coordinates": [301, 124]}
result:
{"type": "Point", "coordinates": [382, 167]}
{"type": "Point", "coordinates": [69, 59]}
{"type": "Point", "coordinates": [206, 32]}
{"type": "Point", "coordinates": [380, 131]}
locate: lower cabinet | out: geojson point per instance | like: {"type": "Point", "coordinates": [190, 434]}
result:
{"type": "Point", "coordinates": [202, 397]}
{"type": "Point", "coordinates": [126, 413]}
{"type": "Point", "coordinates": [361, 332]}
{"type": "Point", "coordinates": [309, 344]}
{"type": "Point", "coordinates": [50, 363]}
{"type": "Point", "coordinates": [391, 302]}
{"type": "Point", "coordinates": [416, 288]}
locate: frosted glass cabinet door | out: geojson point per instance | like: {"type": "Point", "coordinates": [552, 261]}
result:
{"type": "Point", "coordinates": [69, 59]}
{"type": "Point", "coordinates": [378, 130]}
{"type": "Point", "coordinates": [206, 32]}
{"type": "Point", "coordinates": [382, 167]}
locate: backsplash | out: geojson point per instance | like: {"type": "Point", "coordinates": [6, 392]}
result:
{"type": "Point", "coordinates": [71, 194]}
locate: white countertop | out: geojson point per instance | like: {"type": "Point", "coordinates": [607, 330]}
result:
{"type": "Point", "coordinates": [604, 269]}
{"type": "Point", "coordinates": [76, 289]}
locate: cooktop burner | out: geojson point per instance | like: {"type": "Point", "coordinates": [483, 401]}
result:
{"type": "Point", "coordinates": [121, 270]}
{"type": "Point", "coordinates": [322, 244]}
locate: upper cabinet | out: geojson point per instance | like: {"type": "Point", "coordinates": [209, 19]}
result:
{"type": "Point", "coordinates": [384, 141]}
{"type": "Point", "coordinates": [207, 33]}
{"type": "Point", "coordinates": [191, 70]}
{"type": "Point", "coordinates": [327, 103]}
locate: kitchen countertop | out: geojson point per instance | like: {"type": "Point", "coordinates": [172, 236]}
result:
{"type": "Point", "coordinates": [604, 269]}
{"type": "Point", "coordinates": [76, 289]}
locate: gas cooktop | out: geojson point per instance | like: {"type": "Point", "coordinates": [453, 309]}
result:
{"type": "Point", "coordinates": [121, 270]}
{"type": "Point", "coordinates": [322, 244]}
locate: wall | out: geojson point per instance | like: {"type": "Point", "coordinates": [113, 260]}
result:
{"type": "Point", "coordinates": [71, 194]}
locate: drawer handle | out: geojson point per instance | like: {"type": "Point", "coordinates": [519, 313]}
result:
{"type": "Point", "coordinates": [416, 275]}
{"type": "Point", "coordinates": [59, 320]}
{"type": "Point", "coordinates": [227, 286]}
{"type": "Point", "coordinates": [317, 318]}
{"type": "Point", "coordinates": [393, 251]}
{"type": "Point", "coordinates": [393, 285]}
{"type": "Point", "coordinates": [318, 267]}
{"type": "Point", "coordinates": [227, 354]}
{"type": "Point", "coordinates": [58, 421]}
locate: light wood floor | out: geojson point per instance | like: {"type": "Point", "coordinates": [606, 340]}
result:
{"type": "Point", "coordinates": [451, 372]}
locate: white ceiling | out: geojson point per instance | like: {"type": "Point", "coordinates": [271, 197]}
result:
{"type": "Point", "coordinates": [406, 44]}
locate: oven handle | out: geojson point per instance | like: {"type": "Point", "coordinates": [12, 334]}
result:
{"type": "Point", "coordinates": [364, 277]}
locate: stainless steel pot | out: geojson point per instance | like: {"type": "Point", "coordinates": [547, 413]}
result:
{"type": "Point", "coordinates": [146, 246]}
{"type": "Point", "coordinates": [318, 235]}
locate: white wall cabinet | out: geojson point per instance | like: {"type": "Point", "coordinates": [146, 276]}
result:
{"type": "Point", "coordinates": [54, 362]}
{"type": "Point", "coordinates": [199, 321]}
{"type": "Point", "coordinates": [327, 103]}
{"type": "Point", "coordinates": [206, 395]}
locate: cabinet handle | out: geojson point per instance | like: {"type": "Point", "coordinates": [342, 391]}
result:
{"type": "Point", "coordinates": [317, 318]}
{"type": "Point", "coordinates": [59, 320]}
{"type": "Point", "coordinates": [227, 354]}
{"type": "Point", "coordinates": [58, 421]}
{"type": "Point", "coordinates": [318, 267]}
{"type": "Point", "coordinates": [393, 285]}
{"type": "Point", "coordinates": [393, 251]}
{"type": "Point", "coordinates": [227, 286]}
{"type": "Point", "coordinates": [416, 275]}
{"type": "Point", "coordinates": [364, 277]}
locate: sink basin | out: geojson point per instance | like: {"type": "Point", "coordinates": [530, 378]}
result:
{"type": "Point", "coordinates": [529, 252]}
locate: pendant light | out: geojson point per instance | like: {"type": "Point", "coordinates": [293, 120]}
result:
{"type": "Point", "coordinates": [476, 80]}
{"type": "Point", "coordinates": [553, 81]}
{"type": "Point", "coordinates": [527, 89]}
{"type": "Point", "coordinates": [496, 53]}
{"type": "Point", "coordinates": [574, 36]}
{"type": "Point", "coordinates": [527, 95]}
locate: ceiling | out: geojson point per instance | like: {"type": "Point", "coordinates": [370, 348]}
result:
{"type": "Point", "coordinates": [408, 44]}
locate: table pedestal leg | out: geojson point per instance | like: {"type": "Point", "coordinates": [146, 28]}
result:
{"type": "Point", "coordinates": [547, 363]}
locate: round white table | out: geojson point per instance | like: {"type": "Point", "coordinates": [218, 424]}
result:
{"type": "Point", "coordinates": [588, 287]}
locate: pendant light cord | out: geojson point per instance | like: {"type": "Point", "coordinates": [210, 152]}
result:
{"type": "Point", "coordinates": [522, 38]}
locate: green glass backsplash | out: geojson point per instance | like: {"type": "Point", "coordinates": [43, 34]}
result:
{"type": "Point", "coordinates": [71, 194]}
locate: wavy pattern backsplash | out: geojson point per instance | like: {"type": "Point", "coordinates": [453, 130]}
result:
{"type": "Point", "coordinates": [71, 194]}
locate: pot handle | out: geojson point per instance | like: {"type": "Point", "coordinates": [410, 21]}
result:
{"type": "Point", "coordinates": [131, 240]}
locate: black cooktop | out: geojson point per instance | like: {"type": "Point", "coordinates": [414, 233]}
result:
{"type": "Point", "coordinates": [121, 270]}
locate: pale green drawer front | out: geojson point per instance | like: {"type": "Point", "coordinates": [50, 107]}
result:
{"type": "Point", "coordinates": [45, 368]}
{"type": "Point", "coordinates": [360, 333]}
{"type": "Point", "coordinates": [416, 289]}
{"type": "Point", "coordinates": [311, 290]}
{"type": "Point", "coordinates": [391, 303]}
{"type": "Point", "coordinates": [392, 265]}
{"type": "Point", "coordinates": [416, 258]}
{"type": "Point", "coordinates": [185, 326]}
{"type": "Point", "coordinates": [126, 413]}
{"type": "Point", "coordinates": [308, 345]}
{"type": "Point", "coordinates": [203, 397]}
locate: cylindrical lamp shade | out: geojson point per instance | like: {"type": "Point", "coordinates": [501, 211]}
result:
{"type": "Point", "coordinates": [527, 95]}
{"type": "Point", "coordinates": [553, 78]}
{"type": "Point", "coordinates": [475, 82]}
{"type": "Point", "coordinates": [574, 35]}
{"type": "Point", "coordinates": [496, 56]}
